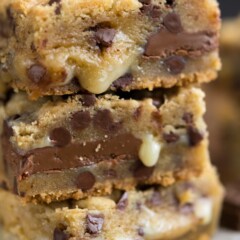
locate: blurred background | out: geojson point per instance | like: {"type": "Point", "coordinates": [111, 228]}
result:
{"type": "Point", "coordinates": [223, 114]}
{"type": "Point", "coordinates": [230, 7]}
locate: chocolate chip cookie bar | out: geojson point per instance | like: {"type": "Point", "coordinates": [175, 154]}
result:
{"type": "Point", "coordinates": [185, 211]}
{"type": "Point", "coordinates": [58, 47]}
{"type": "Point", "coordinates": [94, 144]}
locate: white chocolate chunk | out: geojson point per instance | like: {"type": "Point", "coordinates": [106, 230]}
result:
{"type": "Point", "coordinates": [97, 203]}
{"type": "Point", "coordinates": [149, 151]}
{"type": "Point", "coordinates": [117, 61]}
{"type": "Point", "coordinates": [203, 209]}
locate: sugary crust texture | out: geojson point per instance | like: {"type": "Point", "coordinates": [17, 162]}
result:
{"type": "Point", "coordinates": [193, 216]}
{"type": "Point", "coordinates": [68, 57]}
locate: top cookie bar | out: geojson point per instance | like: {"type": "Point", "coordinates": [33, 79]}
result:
{"type": "Point", "coordinates": [59, 47]}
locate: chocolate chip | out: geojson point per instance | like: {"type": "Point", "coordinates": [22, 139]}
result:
{"type": "Point", "coordinates": [103, 119]}
{"type": "Point", "coordinates": [173, 23]}
{"type": "Point", "coordinates": [58, 7]}
{"type": "Point", "coordinates": [60, 137]}
{"type": "Point", "coordinates": [170, 2]}
{"type": "Point", "coordinates": [123, 81]}
{"type": "Point", "coordinates": [85, 181]}
{"type": "Point", "coordinates": [123, 202]}
{"type": "Point", "coordinates": [51, 2]}
{"type": "Point", "coordinates": [104, 36]}
{"type": "Point", "coordinates": [80, 120]}
{"type": "Point", "coordinates": [88, 100]}
{"type": "Point", "coordinates": [195, 137]}
{"type": "Point", "coordinates": [94, 223]}
{"type": "Point", "coordinates": [142, 172]}
{"type": "Point", "coordinates": [170, 137]}
{"type": "Point", "coordinates": [59, 234]}
{"type": "Point", "coordinates": [140, 231]}
{"type": "Point", "coordinates": [36, 73]}
{"type": "Point", "coordinates": [175, 64]}
{"type": "Point", "coordinates": [188, 118]}
{"type": "Point", "coordinates": [147, 2]}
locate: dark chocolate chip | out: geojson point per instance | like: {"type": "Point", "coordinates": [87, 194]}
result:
{"type": "Point", "coordinates": [103, 119]}
{"type": "Point", "coordinates": [140, 231]}
{"type": "Point", "coordinates": [175, 64]}
{"type": "Point", "coordinates": [36, 73]}
{"type": "Point", "coordinates": [170, 137]}
{"type": "Point", "coordinates": [123, 81]}
{"type": "Point", "coordinates": [94, 223]}
{"type": "Point", "coordinates": [145, 2]}
{"type": "Point", "coordinates": [104, 36]}
{"type": "Point", "coordinates": [59, 234]}
{"type": "Point", "coordinates": [80, 120]}
{"type": "Point", "coordinates": [170, 2]}
{"type": "Point", "coordinates": [188, 118]}
{"type": "Point", "coordinates": [142, 172]}
{"type": "Point", "coordinates": [85, 181]}
{"type": "Point", "coordinates": [88, 100]}
{"type": "Point", "coordinates": [195, 137]}
{"type": "Point", "coordinates": [173, 23]}
{"type": "Point", "coordinates": [60, 137]}
{"type": "Point", "coordinates": [123, 202]}
{"type": "Point", "coordinates": [58, 7]}
{"type": "Point", "coordinates": [51, 2]}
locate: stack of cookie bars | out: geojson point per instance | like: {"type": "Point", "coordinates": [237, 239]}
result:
{"type": "Point", "coordinates": [103, 134]}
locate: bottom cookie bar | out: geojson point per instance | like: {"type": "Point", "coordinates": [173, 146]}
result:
{"type": "Point", "coordinates": [186, 210]}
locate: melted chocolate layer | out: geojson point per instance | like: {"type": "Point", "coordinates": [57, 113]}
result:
{"type": "Point", "coordinates": [163, 43]}
{"type": "Point", "coordinates": [123, 147]}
